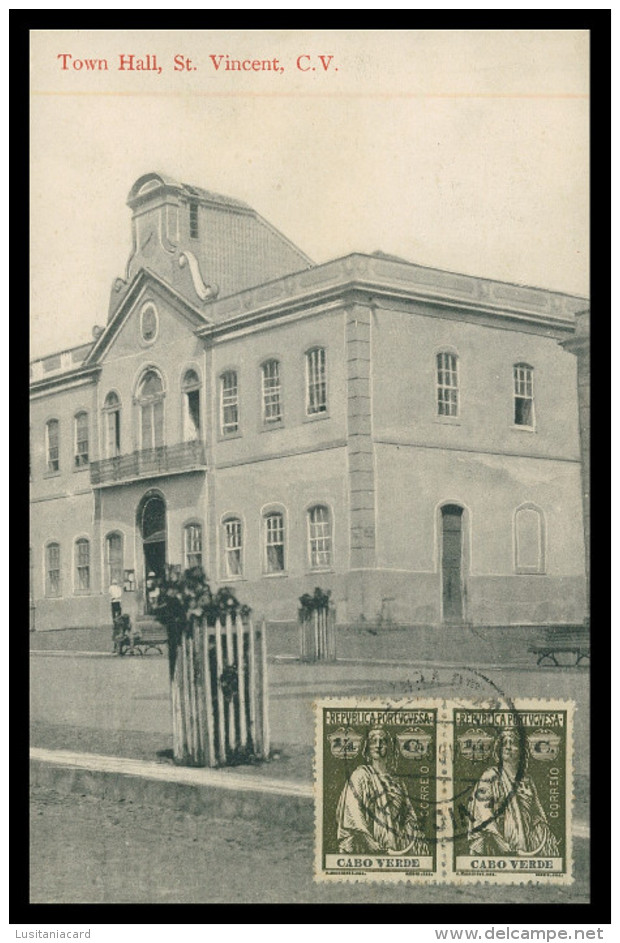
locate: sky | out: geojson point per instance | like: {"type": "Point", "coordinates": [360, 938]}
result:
{"type": "Point", "coordinates": [462, 150]}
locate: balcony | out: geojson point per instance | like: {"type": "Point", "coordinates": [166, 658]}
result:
{"type": "Point", "coordinates": [149, 463]}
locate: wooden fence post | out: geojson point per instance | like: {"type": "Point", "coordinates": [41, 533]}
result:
{"type": "Point", "coordinates": [317, 632]}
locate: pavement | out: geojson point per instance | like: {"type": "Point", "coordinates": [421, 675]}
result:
{"type": "Point", "coordinates": [86, 705]}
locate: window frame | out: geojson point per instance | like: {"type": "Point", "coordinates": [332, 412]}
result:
{"type": "Point", "coordinates": [518, 396]}
{"type": "Point", "coordinates": [312, 538]}
{"type": "Point", "coordinates": [194, 224]}
{"type": "Point", "coordinates": [447, 393]}
{"type": "Point", "coordinates": [271, 395]}
{"type": "Point", "coordinates": [110, 575]}
{"type": "Point", "coordinates": [539, 569]}
{"type": "Point", "coordinates": [267, 515]}
{"type": "Point", "coordinates": [81, 459]}
{"type": "Point", "coordinates": [151, 402]}
{"type": "Point", "coordinates": [52, 465]}
{"type": "Point", "coordinates": [112, 410]}
{"type": "Point", "coordinates": [186, 418]}
{"type": "Point", "coordinates": [227, 572]}
{"type": "Point", "coordinates": [49, 593]}
{"type": "Point", "coordinates": [79, 566]}
{"type": "Point", "coordinates": [226, 429]}
{"type": "Point", "coordinates": [320, 382]}
{"type": "Point", "coordinates": [187, 552]}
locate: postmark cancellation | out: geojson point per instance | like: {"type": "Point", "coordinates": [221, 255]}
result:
{"type": "Point", "coordinates": [443, 791]}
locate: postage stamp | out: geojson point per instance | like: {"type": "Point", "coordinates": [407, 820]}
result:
{"type": "Point", "coordinates": [512, 791]}
{"type": "Point", "coordinates": [377, 780]}
{"type": "Point", "coordinates": [443, 791]}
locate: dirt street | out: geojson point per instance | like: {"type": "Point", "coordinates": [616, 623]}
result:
{"type": "Point", "coordinates": [92, 850]}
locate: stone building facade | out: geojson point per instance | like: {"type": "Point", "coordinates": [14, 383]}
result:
{"type": "Point", "coordinates": [403, 436]}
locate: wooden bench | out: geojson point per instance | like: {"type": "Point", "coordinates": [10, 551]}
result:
{"type": "Point", "coordinates": [571, 640]}
{"type": "Point", "coordinates": [145, 636]}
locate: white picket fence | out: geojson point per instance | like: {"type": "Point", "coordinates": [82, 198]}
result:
{"type": "Point", "coordinates": [318, 634]}
{"type": "Point", "coordinates": [219, 690]}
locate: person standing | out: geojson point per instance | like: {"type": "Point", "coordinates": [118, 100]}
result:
{"type": "Point", "coordinates": [116, 594]}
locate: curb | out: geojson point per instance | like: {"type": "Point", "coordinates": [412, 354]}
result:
{"type": "Point", "coordinates": [216, 792]}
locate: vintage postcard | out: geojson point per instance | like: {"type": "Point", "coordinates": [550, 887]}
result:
{"type": "Point", "coordinates": [309, 423]}
{"type": "Point", "coordinates": [405, 786]}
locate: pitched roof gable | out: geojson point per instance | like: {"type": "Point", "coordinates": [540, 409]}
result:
{"type": "Point", "coordinates": [144, 277]}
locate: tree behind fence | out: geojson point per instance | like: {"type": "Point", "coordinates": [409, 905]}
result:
{"type": "Point", "coordinates": [218, 679]}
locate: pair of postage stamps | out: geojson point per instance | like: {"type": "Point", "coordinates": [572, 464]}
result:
{"type": "Point", "coordinates": [444, 791]}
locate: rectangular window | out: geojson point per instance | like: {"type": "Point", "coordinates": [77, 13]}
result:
{"type": "Point", "coordinates": [316, 380]}
{"type": "Point", "coordinates": [81, 440]}
{"type": "Point", "coordinates": [274, 543]}
{"type": "Point", "coordinates": [193, 220]}
{"type": "Point", "coordinates": [193, 546]}
{"type": "Point", "coordinates": [153, 424]}
{"type": "Point", "coordinates": [114, 558]}
{"type": "Point", "coordinates": [113, 433]}
{"type": "Point", "coordinates": [272, 410]}
{"type": "Point", "coordinates": [320, 534]}
{"type": "Point", "coordinates": [229, 402]}
{"type": "Point", "coordinates": [53, 451]}
{"type": "Point", "coordinates": [52, 570]}
{"type": "Point", "coordinates": [233, 548]}
{"type": "Point", "coordinates": [192, 415]}
{"type": "Point", "coordinates": [82, 566]}
{"type": "Point", "coordinates": [523, 395]}
{"type": "Point", "coordinates": [447, 385]}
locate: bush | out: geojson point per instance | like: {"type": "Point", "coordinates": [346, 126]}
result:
{"type": "Point", "coordinates": [184, 597]}
{"type": "Point", "coordinates": [309, 604]}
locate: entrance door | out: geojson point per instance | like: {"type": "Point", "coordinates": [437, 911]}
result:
{"type": "Point", "coordinates": [451, 562]}
{"type": "Point", "coordinates": [153, 526]}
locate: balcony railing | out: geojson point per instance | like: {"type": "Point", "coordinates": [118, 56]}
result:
{"type": "Point", "coordinates": [146, 463]}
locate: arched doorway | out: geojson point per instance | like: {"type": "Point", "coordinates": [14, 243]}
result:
{"type": "Point", "coordinates": [152, 526]}
{"type": "Point", "coordinates": [452, 564]}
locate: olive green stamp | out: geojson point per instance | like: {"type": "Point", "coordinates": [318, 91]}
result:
{"type": "Point", "coordinates": [377, 788]}
{"type": "Point", "coordinates": [511, 775]}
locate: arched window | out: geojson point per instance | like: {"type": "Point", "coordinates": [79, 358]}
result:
{"type": "Point", "coordinates": [447, 384]}
{"type": "Point", "coordinates": [151, 400]}
{"type": "Point", "coordinates": [316, 381]}
{"type": "Point", "coordinates": [233, 547]}
{"type": "Point", "coordinates": [274, 542]}
{"type": "Point", "coordinates": [320, 536]}
{"type": "Point", "coordinates": [192, 542]}
{"type": "Point", "coordinates": [81, 439]}
{"type": "Point", "coordinates": [529, 540]}
{"type": "Point", "coordinates": [82, 565]}
{"type": "Point", "coordinates": [229, 402]}
{"type": "Point", "coordinates": [114, 558]}
{"type": "Point", "coordinates": [191, 405]}
{"type": "Point", "coordinates": [52, 445]}
{"type": "Point", "coordinates": [523, 377]}
{"type": "Point", "coordinates": [52, 569]}
{"type": "Point", "coordinates": [112, 425]}
{"type": "Point", "coordinates": [272, 404]}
